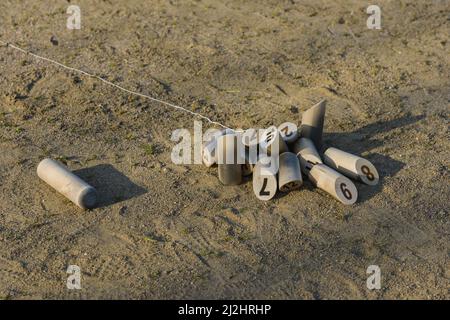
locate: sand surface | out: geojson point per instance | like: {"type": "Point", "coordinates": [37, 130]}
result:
{"type": "Point", "coordinates": [167, 231]}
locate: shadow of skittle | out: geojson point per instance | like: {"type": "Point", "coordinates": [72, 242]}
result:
{"type": "Point", "coordinates": [112, 186]}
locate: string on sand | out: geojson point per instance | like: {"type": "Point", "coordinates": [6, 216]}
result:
{"type": "Point", "coordinates": [87, 74]}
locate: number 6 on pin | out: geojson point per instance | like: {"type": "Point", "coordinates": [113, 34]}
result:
{"type": "Point", "coordinates": [331, 181]}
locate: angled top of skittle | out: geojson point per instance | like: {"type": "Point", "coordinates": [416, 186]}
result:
{"type": "Point", "coordinates": [319, 107]}
{"type": "Point", "coordinates": [312, 123]}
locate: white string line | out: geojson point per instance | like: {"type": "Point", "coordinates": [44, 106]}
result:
{"type": "Point", "coordinates": [9, 45]}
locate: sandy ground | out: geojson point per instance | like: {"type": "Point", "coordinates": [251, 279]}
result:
{"type": "Point", "coordinates": [167, 231]}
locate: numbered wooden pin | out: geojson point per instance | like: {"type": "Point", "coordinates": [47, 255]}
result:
{"type": "Point", "coordinates": [209, 153]}
{"type": "Point", "coordinates": [65, 182]}
{"type": "Point", "coordinates": [306, 153]}
{"type": "Point", "coordinates": [229, 164]}
{"type": "Point", "coordinates": [336, 184]}
{"type": "Point", "coordinates": [289, 175]}
{"type": "Point", "coordinates": [250, 138]}
{"type": "Point", "coordinates": [288, 131]}
{"type": "Point", "coordinates": [209, 147]}
{"type": "Point", "coordinates": [264, 179]}
{"type": "Point", "coordinates": [212, 134]}
{"type": "Point", "coordinates": [272, 142]}
{"type": "Point", "coordinates": [312, 123]}
{"type": "Point", "coordinates": [352, 166]}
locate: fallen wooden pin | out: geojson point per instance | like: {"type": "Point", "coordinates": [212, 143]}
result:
{"type": "Point", "coordinates": [352, 166]}
{"type": "Point", "coordinates": [288, 131]}
{"type": "Point", "coordinates": [209, 155]}
{"type": "Point", "coordinates": [306, 153]}
{"type": "Point", "coordinates": [334, 183]}
{"type": "Point", "coordinates": [65, 182]}
{"type": "Point", "coordinates": [272, 142]}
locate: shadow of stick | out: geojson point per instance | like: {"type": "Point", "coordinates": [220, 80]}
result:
{"type": "Point", "coordinates": [112, 186]}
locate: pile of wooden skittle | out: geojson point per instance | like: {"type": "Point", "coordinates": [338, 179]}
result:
{"type": "Point", "coordinates": [277, 157]}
